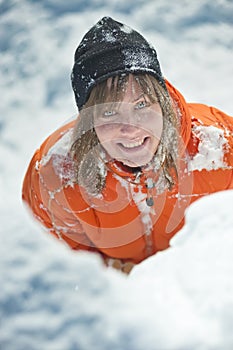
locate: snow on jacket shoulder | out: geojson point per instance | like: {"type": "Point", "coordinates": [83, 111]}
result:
{"type": "Point", "coordinates": [119, 223]}
{"type": "Point", "coordinates": [211, 141]}
{"type": "Point", "coordinates": [48, 173]}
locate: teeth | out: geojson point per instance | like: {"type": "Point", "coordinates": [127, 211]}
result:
{"type": "Point", "coordinates": [133, 144]}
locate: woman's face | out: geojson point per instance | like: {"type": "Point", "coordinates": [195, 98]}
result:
{"type": "Point", "coordinates": [130, 130]}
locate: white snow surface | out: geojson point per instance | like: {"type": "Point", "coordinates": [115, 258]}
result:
{"type": "Point", "coordinates": [55, 299]}
{"type": "Point", "coordinates": [211, 148]}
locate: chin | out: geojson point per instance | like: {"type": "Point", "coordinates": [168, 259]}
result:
{"type": "Point", "coordinates": [136, 163]}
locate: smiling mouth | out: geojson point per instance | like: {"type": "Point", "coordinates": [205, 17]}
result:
{"type": "Point", "coordinates": [133, 145]}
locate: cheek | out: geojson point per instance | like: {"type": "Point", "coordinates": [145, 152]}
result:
{"type": "Point", "coordinates": [158, 129]}
{"type": "Point", "coordinates": [154, 127]}
{"type": "Point", "coordinates": [105, 132]}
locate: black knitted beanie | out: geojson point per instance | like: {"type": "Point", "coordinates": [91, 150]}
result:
{"type": "Point", "coordinates": [108, 49]}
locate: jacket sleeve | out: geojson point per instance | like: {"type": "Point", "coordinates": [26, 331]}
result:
{"type": "Point", "coordinates": [31, 193]}
{"type": "Point", "coordinates": [58, 222]}
{"type": "Point", "coordinates": [225, 122]}
{"type": "Point", "coordinates": [211, 116]}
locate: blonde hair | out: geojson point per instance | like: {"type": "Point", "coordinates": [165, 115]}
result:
{"type": "Point", "coordinates": [86, 149]}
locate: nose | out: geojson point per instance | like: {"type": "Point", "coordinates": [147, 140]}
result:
{"type": "Point", "coordinates": [128, 128]}
{"type": "Point", "coordinates": [128, 122]}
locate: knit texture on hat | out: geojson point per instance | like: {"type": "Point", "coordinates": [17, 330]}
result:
{"type": "Point", "coordinates": [108, 49]}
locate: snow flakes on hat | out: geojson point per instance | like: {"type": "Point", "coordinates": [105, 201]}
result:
{"type": "Point", "coordinates": [136, 58]}
{"type": "Point", "coordinates": [126, 29]}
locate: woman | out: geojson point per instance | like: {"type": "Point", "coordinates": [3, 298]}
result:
{"type": "Point", "coordinates": [117, 180]}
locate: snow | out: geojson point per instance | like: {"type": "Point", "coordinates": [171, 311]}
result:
{"type": "Point", "coordinates": [135, 58]}
{"type": "Point", "coordinates": [211, 148]}
{"type": "Point", "coordinates": [60, 148]}
{"type": "Point", "coordinates": [126, 29]}
{"type": "Point", "coordinates": [52, 298]}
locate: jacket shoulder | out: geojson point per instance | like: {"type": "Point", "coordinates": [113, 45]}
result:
{"type": "Point", "coordinates": [47, 188]}
{"type": "Point", "coordinates": [209, 115]}
{"type": "Point", "coordinates": [211, 140]}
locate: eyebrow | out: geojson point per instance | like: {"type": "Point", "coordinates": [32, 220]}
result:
{"type": "Point", "coordinates": [138, 98]}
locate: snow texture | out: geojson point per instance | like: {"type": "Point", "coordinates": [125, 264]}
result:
{"type": "Point", "coordinates": [135, 58]}
{"type": "Point", "coordinates": [60, 148]}
{"type": "Point", "coordinates": [211, 149]}
{"type": "Point", "coordinates": [55, 299]}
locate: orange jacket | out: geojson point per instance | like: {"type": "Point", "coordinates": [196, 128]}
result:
{"type": "Point", "coordinates": [119, 224]}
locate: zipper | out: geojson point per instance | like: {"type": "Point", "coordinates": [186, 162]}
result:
{"type": "Point", "coordinates": [149, 185]}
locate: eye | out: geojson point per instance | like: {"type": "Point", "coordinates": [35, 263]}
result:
{"type": "Point", "coordinates": [109, 113]}
{"type": "Point", "coordinates": [141, 104]}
